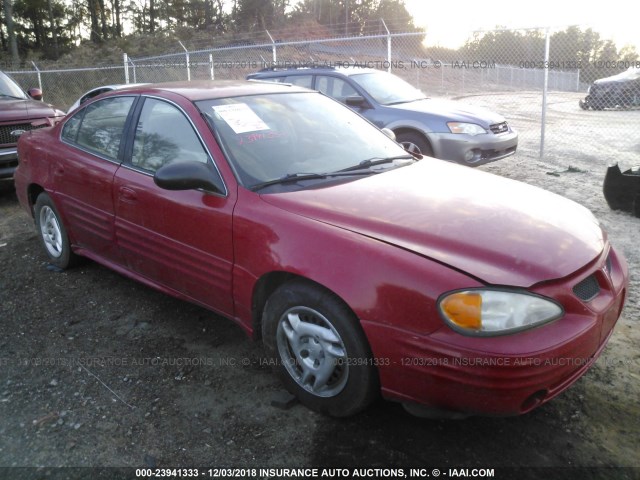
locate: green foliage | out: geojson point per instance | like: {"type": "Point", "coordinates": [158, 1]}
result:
{"type": "Point", "coordinates": [569, 49]}
{"type": "Point", "coordinates": [42, 26]}
{"type": "Point", "coordinates": [356, 17]}
{"type": "Point", "coordinates": [50, 29]}
{"type": "Point", "coordinates": [254, 15]}
{"type": "Point", "coordinates": [508, 47]}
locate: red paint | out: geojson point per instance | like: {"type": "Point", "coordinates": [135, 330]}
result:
{"type": "Point", "coordinates": [389, 245]}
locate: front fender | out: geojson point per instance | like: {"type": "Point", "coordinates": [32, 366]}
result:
{"type": "Point", "coordinates": [381, 283]}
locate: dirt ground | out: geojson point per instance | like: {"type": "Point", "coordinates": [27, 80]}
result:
{"type": "Point", "coordinates": [98, 371]}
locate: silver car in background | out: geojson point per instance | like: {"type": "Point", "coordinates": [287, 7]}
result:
{"type": "Point", "coordinates": [443, 129]}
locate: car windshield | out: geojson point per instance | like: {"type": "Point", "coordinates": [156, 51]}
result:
{"type": "Point", "coordinates": [386, 88]}
{"type": "Point", "coordinates": [9, 88]}
{"type": "Point", "coordinates": [296, 135]}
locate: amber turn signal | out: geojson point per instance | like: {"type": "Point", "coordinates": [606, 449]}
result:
{"type": "Point", "coordinates": [464, 309]}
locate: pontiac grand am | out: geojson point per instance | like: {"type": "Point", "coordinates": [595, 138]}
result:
{"type": "Point", "coordinates": [363, 269]}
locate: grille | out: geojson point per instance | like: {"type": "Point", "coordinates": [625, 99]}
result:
{"type": "Point", "coordinates": [603, 91]}
{"type": "Point", "coordinates": [7, 163]}
{"type": "Point", "coordinates": [488, 154]}
{"type": "Point", "coordinates": [499, 127]}
{"type": "Point", "coordinates": [587, 289]}
{"type": "Point", "coordinates": [5, 132]}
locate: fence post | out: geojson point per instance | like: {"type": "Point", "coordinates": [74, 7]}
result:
{"type": "Point", "coordinates": [213, 77]}
{"type": "Point", "coordinates": [125, 61]}
{"type": "Point", "coordinates": [578, 80]}
{"type": "Point", "coordinates": [273, 48]}
{"type": "Point", "coordinates": [186, 56]}
{"type": "Point", "coordinates": [39, 76]}
{"type": "Point", "coordinates": [544, 92]}
{"type": "Point", "coordinates": [463, 79]}
{"type": "Point", "coordinates": [388, 44]}
{"type": "Point", "coordinates": [133, 67]}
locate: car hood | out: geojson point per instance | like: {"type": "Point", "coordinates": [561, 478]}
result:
{"type": "Point", "coordinates": [500, 231]}
{"type": "Point", "coordinates": [17, 110]}
{"type": "Point", "coordinates": [451, 111]}
{"type": "Point", "coordinates": [630, 75]}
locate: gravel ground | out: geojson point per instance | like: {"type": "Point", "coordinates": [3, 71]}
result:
{"type": "Point", "coordinates": [99, 371]}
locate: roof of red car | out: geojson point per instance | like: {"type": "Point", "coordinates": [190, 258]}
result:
{"type": "Point", "coordinates": [210, 89]}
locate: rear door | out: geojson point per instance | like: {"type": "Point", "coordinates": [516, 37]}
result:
{"type": "Point", "coordinates": [83, 169]}
{"type": "Point", "coordinates": [178, 239]}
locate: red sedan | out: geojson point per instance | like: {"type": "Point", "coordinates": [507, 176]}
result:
{"type": "Point", "coordinates": [363, 270]}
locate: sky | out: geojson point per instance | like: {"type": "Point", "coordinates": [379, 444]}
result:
{"type": "Point", "coordinates": [450, 23]}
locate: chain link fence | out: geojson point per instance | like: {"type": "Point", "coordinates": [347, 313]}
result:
{"type": "Point", "coordinates": [538, 79]}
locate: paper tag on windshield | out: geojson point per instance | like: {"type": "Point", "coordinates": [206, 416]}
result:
{"type": "Point", "coordinates": [240, 117]}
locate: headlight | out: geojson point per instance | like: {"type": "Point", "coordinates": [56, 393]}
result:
{"type": "Point", "coordinates": [495, 312]}
{"type": "Point", "coordinates": [468, 128]}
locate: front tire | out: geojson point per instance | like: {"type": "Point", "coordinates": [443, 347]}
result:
{"type": "Point", "coordinates": [319, 349]}
{"type": "Point", "coordinates": [415, 143]}
{"type": "Point", "coordinates": [636, 205]}
{"type": "Point", "coordinates": [52, 233]}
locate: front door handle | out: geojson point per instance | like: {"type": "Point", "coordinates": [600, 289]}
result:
{"type": "Point", "coordinates": [128, 195]}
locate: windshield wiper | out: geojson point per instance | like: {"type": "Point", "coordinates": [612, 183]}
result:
{"type": "Point", "coordinates": [370, 162]}
{"type": "Point", "coordinates": [295, 177]}
{"type": "Point", "coordinates": [361, 168]}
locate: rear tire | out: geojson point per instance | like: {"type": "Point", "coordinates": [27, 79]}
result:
{"type": "Point", "coordinates": [53, 233]}
{"type": "Point", "coordinates": [319, 349]}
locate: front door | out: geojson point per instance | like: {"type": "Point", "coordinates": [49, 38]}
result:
{"type": "Point", "coordinates": [181, 240]}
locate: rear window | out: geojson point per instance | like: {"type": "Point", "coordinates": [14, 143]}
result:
{"type": "Point", "coordinates": [100, 126]}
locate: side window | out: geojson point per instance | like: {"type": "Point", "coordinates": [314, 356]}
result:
{"type": "Point", "coordinates": [94, 93]}
{"type": "Point", "coordinates": [71, 128]}
{"type": "Point", "coordinates": [164, 135]}
{"type": "Point", "coordinates": [300, 80]}
{"type": "Point", "coordinates": [334, 87]}
{"type": "Point", "coordinates": [101, 128]}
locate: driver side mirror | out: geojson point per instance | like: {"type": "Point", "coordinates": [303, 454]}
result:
{"type": "Point", "coordinates": [35, 93]}
{"type": "Point", "coordinates": [356, 101]}
{"type": "Point", "coordinates": [189, 175]}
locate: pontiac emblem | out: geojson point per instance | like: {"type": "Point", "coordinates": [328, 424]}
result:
{"type": "Point", "coordinates": [17, 133]}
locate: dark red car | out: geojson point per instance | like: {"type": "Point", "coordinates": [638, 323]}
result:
{"type": "Point", "coordinates": [19, 113]}
{"type": "Point", "coordinates": [362, 269]}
